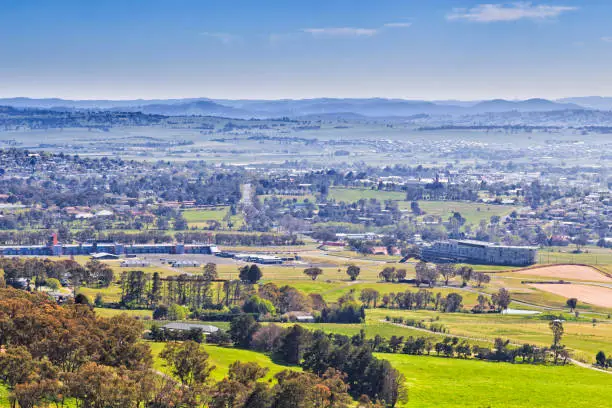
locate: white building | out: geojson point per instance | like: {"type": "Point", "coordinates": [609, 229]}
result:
{"type": "Point", "coordinates": [479, 252]}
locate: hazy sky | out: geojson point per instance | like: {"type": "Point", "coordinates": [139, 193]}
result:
{"type": "Point", "coordinates": [429, 49]}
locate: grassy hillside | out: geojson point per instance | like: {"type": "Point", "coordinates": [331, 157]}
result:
{"type": "Point", "coordinates": [222, 357]}
{"type": "Point", "coordinates": [441, 382]}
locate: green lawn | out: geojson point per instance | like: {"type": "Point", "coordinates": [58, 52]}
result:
{"type": "Point", "coordinates": [222, 357]}
{"type": "Point", "coordinates": [199, 215]}
{"type": "Point", "coordinates": [441, 382]}
{"type": "Point", "coordinates": [350, 195]}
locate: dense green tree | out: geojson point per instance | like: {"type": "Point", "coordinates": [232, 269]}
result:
{"type": "Point", "coordinates": [501, 299]}
{"type": "Point", "coordinates": [242, 329]}
{"type": "Point", "coordinates": [600, 359]}
{"type": "Point", "coordinates": [250, 273]}
{"type": "Point", "coordinates": [255, 304]}
{"type": "Point", "coordinates": [353, 271]}
{"type": "Point", "coordinates": [556, 327]}
{"type": "Point", "coordinates": [572, 303]}
{"type": "Point", "coordinates": [313, 272]}
{"type": "Point", "coordinates": [293, 344]}
{"type": "Point", "coordinates": [188, 362]}
{"type": "Point", "coordinates": [369, 296]}
{"type": "Point", "coordinates": [210, 271]}
{"type": "Point", "coordinates": [388, 274]}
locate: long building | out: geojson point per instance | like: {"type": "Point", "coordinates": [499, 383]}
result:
{"type": "Point", "coordinates": [478, 252]}
{"type": "Point", "coordinates": [54, 248]}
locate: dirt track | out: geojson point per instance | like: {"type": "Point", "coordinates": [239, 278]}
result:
{"type": "Point", "coordinates": [594, 295]}
{"type": "Point", "coordinates": [567, 272]}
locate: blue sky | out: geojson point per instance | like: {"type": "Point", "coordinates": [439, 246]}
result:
{"type": "Point", "coordinates": [414, 49]}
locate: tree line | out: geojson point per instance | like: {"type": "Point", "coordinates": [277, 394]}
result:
{"type": "Point", "coordinates": [22, 272]}
{"type": "Point", "coordinates": [318, 352]}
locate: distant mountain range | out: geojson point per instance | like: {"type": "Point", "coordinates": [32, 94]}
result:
{"type": "Point", "coordinates": [261, 109]}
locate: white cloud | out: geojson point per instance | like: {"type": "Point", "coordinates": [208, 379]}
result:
{"type": "Point", "coordinates": [341, 32]}
{"type": "Point", "coordinates": [606, 39]}
{"type": "Point", "coordinates": [397, 25]}
{"type": "Point", "coordinates": [487, 13]}
{"type": "Point", "coordinates": [225, 38]}
{"type": "Point", "coordinates": [352, 31]}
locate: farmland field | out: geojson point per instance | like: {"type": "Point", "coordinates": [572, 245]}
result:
{"type": "Point", "coordinates": [441, 382]}
{"type": "Point", "coordinates": [581, 336]}
{"type": "Point", "coordinates": [594, 295]}
{"type": "Point", "coordinates": [567, 272]}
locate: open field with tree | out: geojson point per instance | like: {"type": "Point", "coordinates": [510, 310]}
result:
{"type": "Point", "coordinates": [581, 335]}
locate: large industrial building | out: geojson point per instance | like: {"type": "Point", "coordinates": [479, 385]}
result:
{"type": "Point", "coordinates": [478, 252]}
{"type": "Point", "coordinates": [54, 248]}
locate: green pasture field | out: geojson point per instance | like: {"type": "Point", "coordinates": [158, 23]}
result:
{"type": "Point", "coordinates": [351, 195]}
{"type": "Point", "coordinates": [584, 339]}
{"type": "Point", "coordinates": [222, 358]}
{"type": "Point", "coordinates": [109, 294]}
{"type": "Point", "coordinates": [442, 382]}
{"type": "Point", "coordinates": [375, 325]}
{"type": "Point", "coordinates": [201, 215]}
{"type": "Point", "coordinates": [472, 212]}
